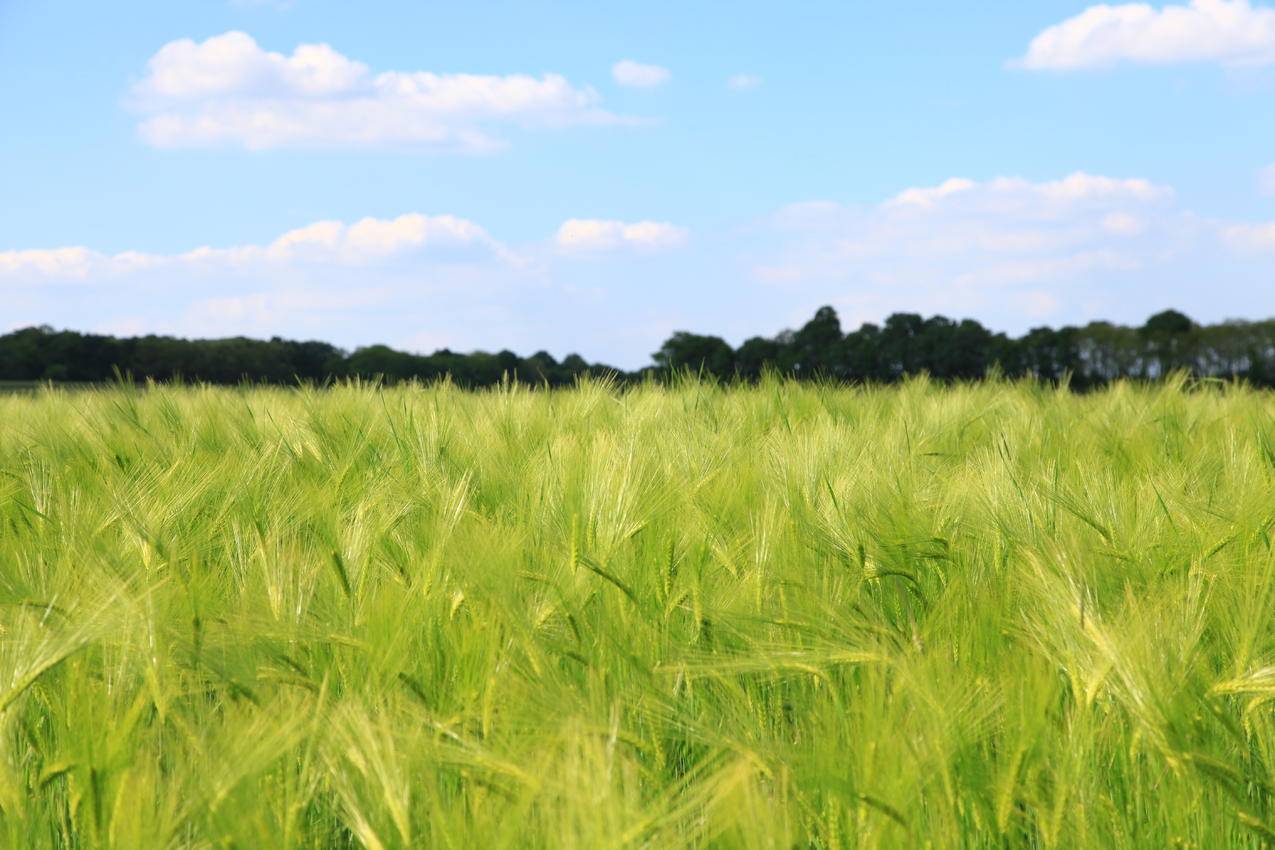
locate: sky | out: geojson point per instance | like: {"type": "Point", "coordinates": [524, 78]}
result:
{"type": "Point", "coordinates": [590, 177]}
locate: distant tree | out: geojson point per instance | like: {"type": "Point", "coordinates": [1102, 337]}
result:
{"type": "Point", "coordinates": [956, 350]}
{"type": "Point", "coordinates": [1106, 352]}
{"type": "Point", "coordinates": [904, 345]}
{"type": "Point", "coordinates": [381, 361]}
{"type": "Point", "coordinates": [755, 355]}
{"type": "Point", "coordinates": [1043, 353]}
{"type": "Point", "coordinates": [311, 360]}
{"type": "Point", "coordinates": [541, 367]}
{"type": "Point", "coordinates": [574, 365]}
{"type": "Point", "coordinates": [900, 352]}
{"type": "Point", "coordinates": [862, 354]}
{"type": "Point", "coordinates": [698, 353]}
{"type": "Point", "coordinates": [1167, 339]}
{"type": "Point", "coordinates": [1168, 324]}
{"type": "Point", "coordinates": [816, 348]}
{"type": "Point", "coordinates": [508, 363]}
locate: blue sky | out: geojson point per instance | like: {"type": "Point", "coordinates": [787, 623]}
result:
{"type": "Point", "coordinates": [591, 176]}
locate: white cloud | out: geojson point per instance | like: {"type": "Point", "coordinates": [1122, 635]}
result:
{"type": "Point", "coordinates": [593, 235]}
{"type": "Point", "coordinates": [1007, 245]}
{"type": "Point", "coordinates": [350, 282]}
{"type": "Point", "coordinates": [369, 240]}
{"type": "Point", "coordinates": [227, 90]}
{"type": "Point", "coordinates": [1122, 224]}
{"type": "Point", "coordinates": [626, 72]}
{"type": "Point", "coordinates": [928, 196]}
{"type": "Point", "coordinates": [71, 262]}
{"type": "Point", "coordinates": [1081, 187]}
{"type": "Point", "coordinates": [233, 63]}
{"type": "Point", "coordinates": [1074, 188]}
{"type": "Point", "coordinates": [1251, 238]}
{"type": "Point", "coordinates": [1002, 214]}
{"type": "Point", "coordinates": [1232, 32]}
{"type": "Point", "coordinates": [1009, 251]}
{"type": "Point", "coordinates": [365, 242]}
{"type": "Point", "coordinates": [743, 82]}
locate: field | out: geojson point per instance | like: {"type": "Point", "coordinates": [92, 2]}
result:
{"type": "Point", "coordinates": [784, 616]}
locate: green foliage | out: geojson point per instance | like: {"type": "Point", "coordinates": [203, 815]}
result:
{"type": "Point", "coordinates": [696, 353]}
{"type": "Point", "coordinates": [907, 345]}
{"type": "Point", "coordinates": [782, 615]}
{"type": "Point", "coordinates": [43, 354]}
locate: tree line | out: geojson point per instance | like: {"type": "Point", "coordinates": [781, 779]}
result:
{"type": "Point", "coordinates": [904, 344]}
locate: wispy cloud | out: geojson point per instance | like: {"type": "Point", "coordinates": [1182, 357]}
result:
{"type": "Point", "coordinates": [626, 72]}
{"type": "Point", "coordinates": [743, 82]}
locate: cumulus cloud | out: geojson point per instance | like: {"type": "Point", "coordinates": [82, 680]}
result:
{"type": "Point", "coordinates": [410, 281]}
{"type": "Point", "coordinates": [928, 196]}
{"type": "Point", "coordinates": [373, 238]}
{"type": "Point", "coordinates": [1232, 32]}
{"type": "Point", "coordinates": [1003, 216]}
{"type": "Point", "coordinates": [71, 263]}
{"type": "Point", "coordinates": [364, 242]}
{"type": "Point", "coordinates": [352, 282]}
{"type": "Point", "coordinates": [1009, 251]}
{"type": "Point", "coordinates": [1122, 224]}
{"type": "Point", "coordinates": [583, 235]}
{"type": "Point", "coordinates": [1251, 238]}
{"type": "Point", "coordinates": [229, 91]}
{"type": "Point", "coordinates": [743, 82]}
{"type": "Point", "coordinates": [1007, 245]}
{"type": "Point", "coordinates": [626, 72]}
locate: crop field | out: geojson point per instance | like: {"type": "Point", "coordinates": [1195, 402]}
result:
{"type": "Point", "coordinates": [783, 616]}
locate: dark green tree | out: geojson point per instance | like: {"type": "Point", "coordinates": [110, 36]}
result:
{"type": "Point", "coordinates": [816, 348]}
{"type": "Point", "coordinates": [1167, 340]}
{"type": "Point", "coordinates": [683, 350]}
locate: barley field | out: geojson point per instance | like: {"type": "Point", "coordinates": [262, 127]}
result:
{"type": "Point", "coordinates": [782, 616]}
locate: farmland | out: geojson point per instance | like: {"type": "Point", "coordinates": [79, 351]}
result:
{"type": "Point", "coordinates": [774, 616]}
